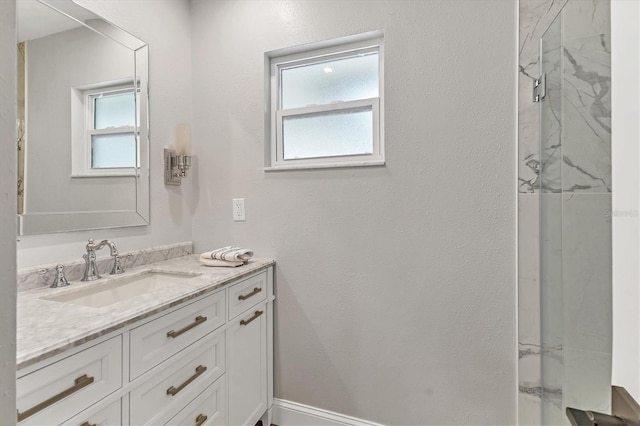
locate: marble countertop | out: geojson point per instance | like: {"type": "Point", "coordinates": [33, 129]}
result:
{"type": "Point", "coordinates": [46, 328]}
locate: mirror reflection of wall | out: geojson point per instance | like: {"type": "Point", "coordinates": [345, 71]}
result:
{"type": "Point", "coordinates": [64, 67]}
{"type": "Point", "coordinates": [20, 125]}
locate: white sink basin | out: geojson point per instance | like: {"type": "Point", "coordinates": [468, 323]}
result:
{"type": "Point", "coordinates": [118, 289]}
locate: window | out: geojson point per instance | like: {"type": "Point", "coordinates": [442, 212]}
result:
{"type": "Point", "coordinates": [112, 129]}
{"type": "Point", "coordinates": [105, 135]}
{"type": "Point", "coordinates": [326, 105]}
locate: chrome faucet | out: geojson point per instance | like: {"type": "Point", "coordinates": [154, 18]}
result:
{"type": "Point", "coordinates": [90, 268]}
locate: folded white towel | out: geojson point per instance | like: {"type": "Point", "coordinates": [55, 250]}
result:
{"type": "Point", "coordinates": [215, 262]}
{"type": "Point", "coordinates": [230, 253]}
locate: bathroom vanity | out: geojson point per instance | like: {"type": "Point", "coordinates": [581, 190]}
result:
{"type": "Point", "coordinates": [198, 352]}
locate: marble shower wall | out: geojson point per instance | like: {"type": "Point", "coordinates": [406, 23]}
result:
{"type": "Point", "coordinates": [565, 185]}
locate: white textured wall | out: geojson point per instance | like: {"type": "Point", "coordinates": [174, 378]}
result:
{"type": "Point", "coordinates": [625, 66]}
{"type": "Point", "coordinates": [7, 213]}
{"type": "Point", "coordinates": [164, 25]}
{"type": "Point", "coordinates": [396, 286]}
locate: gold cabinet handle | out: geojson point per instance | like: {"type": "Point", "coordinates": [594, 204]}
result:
{"type": "Point", "coordinates": [255, 291]}
{"type": "Point", "coordinates": [174, 391]}
{"type": "Point", "coordinates": [199, 320]}
{"type": "Point", "coordinates": [80, 382]}
{"type": "Point", "coordinates": [88, 424]}
{"type": "Point", "coordinates": [201, 419]}
{"type": "Point", "coordinates": [256, 314]}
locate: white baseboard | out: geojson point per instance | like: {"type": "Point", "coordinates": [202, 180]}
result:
{"type": "Point", "coordinates": [287, 413]}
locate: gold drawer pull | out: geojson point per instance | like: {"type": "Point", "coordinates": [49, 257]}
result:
{"type": "Point", "coordinates": [201, 419]}
{"type": "Point", "coordinates": [80, 382]}
{"type": "Point", "coordinates": [174, 391]}
{"type": "Point", "coordinates": [255, 291]}
{"type": "Point", "coordinates": [256, 314]}
{"type": "Point", "coordinates": [199, 320]}
{"type": "Point", "coordinates": [88, 424]}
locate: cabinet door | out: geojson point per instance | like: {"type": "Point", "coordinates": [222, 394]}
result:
{"type": "Point", "coordinates": [58, 391]}
{"type": "Point", "coordinates": [157, 340]}
{"type": "Point", "coordinates": [108, 416]}
{"type": "Point", "coordinates": [245, 294]}
{"type": "Point", "coordinates": [168, 389]}
{"type": "Point", "coordinates": [247, 367]}
{"type": "Point", "coordinates": [208, 409]}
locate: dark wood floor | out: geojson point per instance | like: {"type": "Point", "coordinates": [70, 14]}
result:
{"type": "Point", "coordinates": [260, 423]}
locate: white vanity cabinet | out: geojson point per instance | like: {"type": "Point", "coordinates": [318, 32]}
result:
{"type": "Point", "coordinates": [247, 366]}
{"type": "Point", "coordinates": [247, 350]}
{"type": "Point", "coordinates": [205, 361]}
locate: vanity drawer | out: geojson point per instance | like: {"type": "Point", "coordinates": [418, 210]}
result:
{"type": "Point", "coordinates": [177, 382]}
{"type": "Point", "coordinates": [247, 293]}
{"type": "Point", "coordinates": [60, 390]}
{"type": "Point", "coordinates": [155, 341]}
{"type": "Point", "coordinates": [108, 416]}
{"type": "Point", "coordinates": [208, 409]}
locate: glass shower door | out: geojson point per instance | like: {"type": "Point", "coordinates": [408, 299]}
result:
{"type": "Point", "coordinates": [575, 206]}
{"type": "Point", "coordinates": [551, 224]}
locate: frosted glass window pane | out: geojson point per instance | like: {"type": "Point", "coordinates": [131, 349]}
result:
{"type": "Point", "coordinates": [114, 110]}
{"type": "Point", "coordinates": [346, 79]}
{"type": "Point", "coordinates": [113, 151]}
{"type": "Point", "coordinates": [328, 134]}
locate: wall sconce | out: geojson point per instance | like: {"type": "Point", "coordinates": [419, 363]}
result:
{"type": "Point", "coordinates": [176, 165]}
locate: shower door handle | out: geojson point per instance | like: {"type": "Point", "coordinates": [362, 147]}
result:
{"type": "Point", "coordinates": [540, 88]}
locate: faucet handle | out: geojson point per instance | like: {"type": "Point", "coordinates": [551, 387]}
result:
{"type": "Point", "coordinates": [117, 267]}
{"type": "Point", "coordinates": [118, 263]}
{"type": "Point", "coordinates": [60, 280]}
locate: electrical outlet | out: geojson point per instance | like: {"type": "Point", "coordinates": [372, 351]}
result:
{"type": "Point", "coordinates": [238, 209]}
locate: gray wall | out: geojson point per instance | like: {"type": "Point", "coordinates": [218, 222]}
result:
{"type": "Point", "coordinates": [7, 213]}
{"type": "Point", "coordinates": [396, 285]}
{"type": "Point", "coordinates": [165, 26]}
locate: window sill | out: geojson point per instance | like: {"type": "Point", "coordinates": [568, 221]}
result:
{"type": "Point", "coordinates": [104, 174]}
{"type": "Point", "coordinates": [376, 163]}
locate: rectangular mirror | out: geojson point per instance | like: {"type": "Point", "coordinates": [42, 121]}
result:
{"type": "Point", "coordinates": [83, 125]}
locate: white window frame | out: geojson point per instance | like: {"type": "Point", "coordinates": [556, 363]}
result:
{"type": "Point", "coordinates": [83, 130]}
{"type": "Point", "coordinates": [322, 52]}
